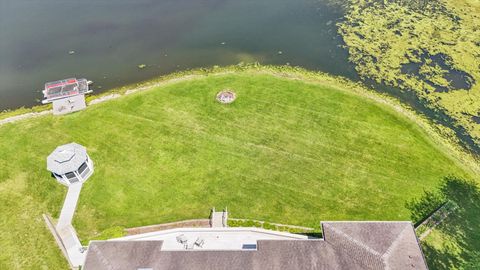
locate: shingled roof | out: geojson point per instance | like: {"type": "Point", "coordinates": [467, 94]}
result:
{"type": "Point", "coordinates": [66, 158]}
{"type": "Point", "coordinates": [376, 245]}
{"type": "Point", "coordinates": [346, 245]}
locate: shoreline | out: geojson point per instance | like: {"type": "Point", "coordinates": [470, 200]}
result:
{"type": "Point", "coordinates": [444, 137]}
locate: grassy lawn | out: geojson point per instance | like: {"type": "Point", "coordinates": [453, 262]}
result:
{"type": "Point", "coordinates": [285, 151]}
{"type": "Point", "coordinates": [455, 244]}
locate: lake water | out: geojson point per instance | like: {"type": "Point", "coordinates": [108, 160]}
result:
{"type": "Point", "coordinates": [111, 38]}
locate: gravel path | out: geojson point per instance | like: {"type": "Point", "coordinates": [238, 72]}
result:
{"type": "Point", "coordinates": [23, 116]}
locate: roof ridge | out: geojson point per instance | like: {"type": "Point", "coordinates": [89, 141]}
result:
{"type": "Point", "coordinates": [394, 244]}
{"type": "Point", "coordinates": [356, 242]}
{"type": "Point", "coordinates": [103, 260]}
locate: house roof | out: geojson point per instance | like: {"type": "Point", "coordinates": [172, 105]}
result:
{"type": "Point", "coordinates": [346, 245]}
{"type": "Point", "coordinates": [384, 245]}
{"type": "Point", "coordinates": [66, 158]}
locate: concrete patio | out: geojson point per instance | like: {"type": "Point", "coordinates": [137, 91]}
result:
{"type": "Point", "coordinates": [234, 238]}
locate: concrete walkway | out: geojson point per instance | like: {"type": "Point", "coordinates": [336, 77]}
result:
{"type": "Point", "coordinates": [75, 251]}
{"type": "Point", "coordinates": [69, 205]}
{"type": "Point", "coordinates": [65, 230]}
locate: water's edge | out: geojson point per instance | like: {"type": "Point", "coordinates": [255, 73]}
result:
{"type": "Point", "coordinates": [433, 128]}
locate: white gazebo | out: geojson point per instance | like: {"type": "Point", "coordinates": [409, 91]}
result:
{"type": "Point", "coordinates": [70, 164]}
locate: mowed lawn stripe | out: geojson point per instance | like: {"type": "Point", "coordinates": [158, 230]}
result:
{"type": "Point", "coordinates": [285, 151]}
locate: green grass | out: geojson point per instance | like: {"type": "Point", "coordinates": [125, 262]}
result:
{"type": "Point", "coordinates": [455, 243]}
{"type": "Point", "coordinates": [285, 151]}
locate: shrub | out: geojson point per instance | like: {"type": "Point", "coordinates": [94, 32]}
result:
{"type": "Point", "coordinates": [269, 226]}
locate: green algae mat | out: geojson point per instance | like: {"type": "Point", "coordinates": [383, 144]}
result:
{"type": "Point", "coordinates": [429, 47]}
{"type": "Point", "coordinates": [284, 151]}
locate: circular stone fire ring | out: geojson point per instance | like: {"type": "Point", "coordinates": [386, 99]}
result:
{"type": "Point", "coordinates": [226, 96]}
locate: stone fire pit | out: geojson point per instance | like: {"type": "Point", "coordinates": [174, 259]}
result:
{"type": "Point", "coordinates": [226, 96]}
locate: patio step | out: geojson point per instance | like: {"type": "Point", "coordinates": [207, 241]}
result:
{"type": "Point", "coordinates": [218, 219]}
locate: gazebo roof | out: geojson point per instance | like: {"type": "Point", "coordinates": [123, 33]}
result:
{"type": "Point", "coordinates": [66, 158]}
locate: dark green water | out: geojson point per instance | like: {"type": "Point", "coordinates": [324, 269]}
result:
{"type": "Point", "coordinates": [112, 37]}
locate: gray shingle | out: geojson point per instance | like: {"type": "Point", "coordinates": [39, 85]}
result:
{"type": "Point", "coordinates": [66, 158]}
{"type": "Point", "coordinates": [390, 245]}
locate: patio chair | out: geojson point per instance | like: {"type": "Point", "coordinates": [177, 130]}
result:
{"type": "Point", "coordinates": [181, 239]}
{"type": "Point", "coordinates": [199, 242]}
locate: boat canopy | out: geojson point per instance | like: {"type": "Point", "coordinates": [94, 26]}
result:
{"type": "Point", "coordinates": [65, 88]}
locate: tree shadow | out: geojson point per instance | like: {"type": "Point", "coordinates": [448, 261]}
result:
{"type": "Point", "coordinates": [422, 208]}
{"type": "Point", "coordinates": [461, 228]}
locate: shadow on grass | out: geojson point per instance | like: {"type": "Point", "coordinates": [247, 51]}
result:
{"type": "Point", "coordinates": [460, 231]}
